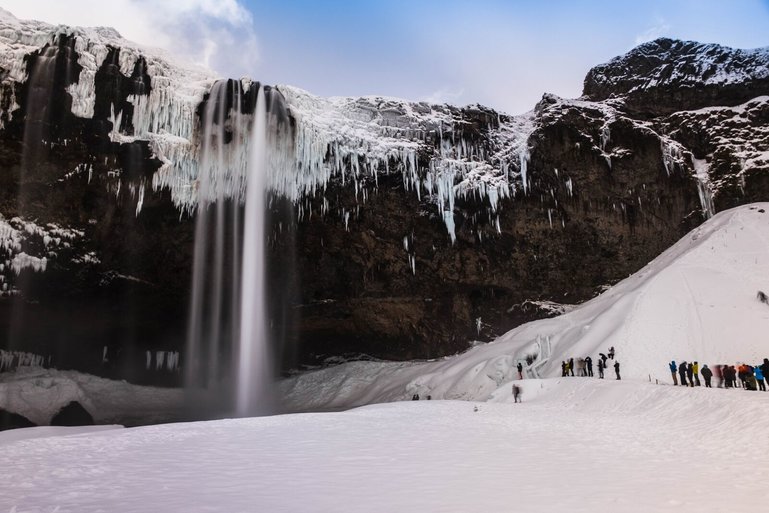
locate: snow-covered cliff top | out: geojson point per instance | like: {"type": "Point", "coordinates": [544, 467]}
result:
{"type": "Point", "coordinates": [669, 62]}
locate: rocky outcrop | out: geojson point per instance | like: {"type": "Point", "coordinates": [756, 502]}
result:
{"type": "Point", "coordinates": [397, 229]}
{"type": "Point", "coordinates": [667, 75]}
{"type": "Point", "coordinates": [10, 420]}
{"type": "Point", "coordinates": [73, 414]}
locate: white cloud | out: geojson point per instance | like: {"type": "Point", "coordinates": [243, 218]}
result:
{"type": "Point", "coordinates": [659, 29]}
{"type": "Point", "coordinates": [444, 95]}
{"type": "Point", "coordinates": [214, 33]}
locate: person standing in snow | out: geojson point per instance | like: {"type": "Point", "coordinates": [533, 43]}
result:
{"type": "Point", "coordinates": [616, 369]}
{"type": "Point", "coordinates": [690, 374]}
{"type": "Point", "coordinates": [520, 370]}
{"type": "Point", "coordinates": [719, 374]}
{"type": "Point", "coordinates": [765, 369]}
{"type": "Point", "coordinates": [759, 374]}
{"type": "Point", "coordinates": [611, 352]}
{"type": "Point", "coordinates": [517, 393]}
{"type": "Point", "coordinates": [571, 366]}
{"type": "Point", "coordinates": [742, 373]}
{"type": "Point", "coordinates": [581, 367]}
{"type": "Point", "coordinates": [564, 368]}
{"type": "Point", "coordinates": [589, 363]}
{"type": "Point", "coordinates": [673, 369]}
{"type": "Point", "coordinates": [682, 373]}
{"type": "Point", "coordinates": [601, 367]}
{"type": "Point", "coordinates": [696, 371]}
{"type": "Point", "coordinates": [706, 375]}
{"type": "Point", "coordinates": [603, 357]}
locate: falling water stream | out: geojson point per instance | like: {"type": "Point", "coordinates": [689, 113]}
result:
{"type": "Point", "coordinates": [254, 377]}
{"type": "Point", "coordinates": [228, 304]}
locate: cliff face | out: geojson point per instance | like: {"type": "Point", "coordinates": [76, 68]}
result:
{"type": "Point", "coordinates": [397, 229]}
{"type": "Point", "coordinates": [665, 75]}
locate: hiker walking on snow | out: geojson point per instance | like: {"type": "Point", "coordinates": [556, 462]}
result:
{"type": "Point", "coordinates": [520, 370]}
{"type": "Point", "coordinates": [601, 367]}
{"type": "Point", "coordinates": [673, 369]}
{"type": "Point", "coordinates": [589, 363]}
{"type": "Point", "coordinates": [696, 371]}
{"type": "Point", "coordinates": [616, 369]}
{"type": "Point", "coordinates": [682, 373]}
{"type": "Point", "coordinates": [706, 375]}
{"type": "Point", "coordinates": [517, 393]}
{"type": "Point", "coordinates": [759, 374]}
{"type": "Point", "coordinates": [690, 374]}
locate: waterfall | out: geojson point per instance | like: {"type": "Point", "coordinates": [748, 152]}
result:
{"type": "Point", "coordinates": [228, 312]}
{"type": "Point", "coordinates": [38, 107]}
{"type": "Point", "coordinates": [254, 370]}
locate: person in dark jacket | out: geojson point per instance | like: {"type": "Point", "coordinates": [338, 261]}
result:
{"type": "Point", "coordinates": [564, 368]}
{"type": "Point", "coordinates": [616, 369]}
{"type": "Point", "coordinates": [589, 363]}
{"type": "Point", "coordinates": [682, 373]}
{"type": "Point", "coordinates": [571, 366]}
{"type": "Point", "coordinates": [517, 393]}
{"type": "Point", "coordinates": [707, 374]}
{"type": "Point", "coordinates": [611, 352]}
{"type": "Point", "coordinates": [520, 370]}
{"type": "Point", "coordinates": [690, 374]}
{"type": "Point", "coordinates": [601, 367]}
{"type": "Point", "coordinates": [673, 369]}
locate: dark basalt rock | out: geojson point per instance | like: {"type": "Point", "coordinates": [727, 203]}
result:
{"type": "Point", "coordinates": [10, 420]}
{"type": "Point", "coordinates": [72, 414]}
{"type": "Point", "coordinates": [667, 75]}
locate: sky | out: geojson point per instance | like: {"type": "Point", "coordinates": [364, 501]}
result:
{"type": "Point", "coordinates": [503, 54]}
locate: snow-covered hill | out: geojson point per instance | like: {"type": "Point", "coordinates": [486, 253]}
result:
{"type": "Point", "coordinates": [695, 302]}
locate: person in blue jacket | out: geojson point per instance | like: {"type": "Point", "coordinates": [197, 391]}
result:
{"type": "Point", "coordinates": [673, 370]}
{"type": "Point", "coordinates": [759, 377]}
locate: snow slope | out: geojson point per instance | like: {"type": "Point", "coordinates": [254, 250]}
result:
{"type": "Point", "coordinates": [573, 445]}
{"type": "Point", "coordinates": [697, 301]}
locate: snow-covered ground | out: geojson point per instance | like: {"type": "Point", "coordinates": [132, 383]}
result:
{"type": "Point", "coordinates": [574, 444]}
{"type": "Point", "coordinates": [38, 394]}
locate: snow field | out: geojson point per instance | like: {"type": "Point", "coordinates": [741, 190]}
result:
{"type": "Point", "coordinates": [575, 444]}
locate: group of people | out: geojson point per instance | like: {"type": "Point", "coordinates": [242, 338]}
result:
{"type": "Point", "coordinates": [584, 365]}
{"type": "Point", "coordinates": [751, 377]}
